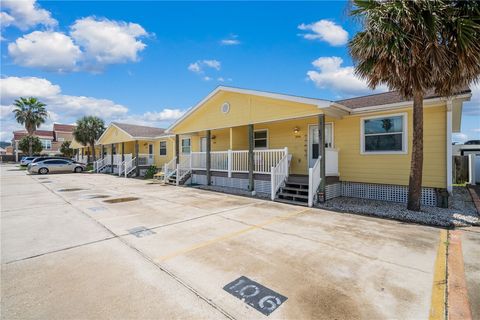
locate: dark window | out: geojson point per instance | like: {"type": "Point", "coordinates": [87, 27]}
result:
{"type": "Point", "coordinates": [383, 134]}
{"type": "Point", "coordinates": [163, 148]}
{"type": "Point", "coordinates": [57, 162]}
{"type": "Point", "coordinates": [260, 139]}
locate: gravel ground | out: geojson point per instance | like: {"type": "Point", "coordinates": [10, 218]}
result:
{"type": "Point", "coordinates": [461, 212]}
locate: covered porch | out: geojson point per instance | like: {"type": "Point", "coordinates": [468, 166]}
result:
{"type": "Point", "coordinates": [261, 158]}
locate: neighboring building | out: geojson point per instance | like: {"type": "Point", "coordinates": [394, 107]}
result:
{"type": "Point", "coordinates": [51, 139]}
{"type": "Point", "coordinates": [3, 151]}
{"type": "Point", "coordinates": [129, 147]}
{"type": "Point", "coordinates": [469, 147]}
{"type": "Point", "coordinates": [269, 143]}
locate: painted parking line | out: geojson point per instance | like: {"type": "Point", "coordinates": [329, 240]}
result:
{"type": "Point", "coordinates": [229, 236]}
{"type": "Point", "coordinates": [458, 303]}
{"type": "Point", "coordinates": [439, 289]}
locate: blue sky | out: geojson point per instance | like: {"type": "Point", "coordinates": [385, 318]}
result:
{"type": "Point", "coordinates": [147, 62]}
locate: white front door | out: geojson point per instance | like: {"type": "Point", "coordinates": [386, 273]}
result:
{"type": "Point", "coordinates": [203, 144]}
{"type": "Point", "coordinates": [313, 142]}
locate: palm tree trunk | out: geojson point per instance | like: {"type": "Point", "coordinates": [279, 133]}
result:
{"type": "Point", "coordinates": [88, 155]}
{"type": "Point", "coordinates": [30, 146]}
{"type": "Point", "coordinates": [416, 164]}
{"type": "Point", "coordinates": [93, 150]}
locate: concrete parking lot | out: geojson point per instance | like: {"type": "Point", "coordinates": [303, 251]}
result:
{"type": "Point", "coordinates": [68, 253]}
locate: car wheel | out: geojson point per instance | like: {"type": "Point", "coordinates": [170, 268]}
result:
{"type": "Point", "coordinates": [43, 170]}
{"type": "Point", "coordinates": [78, 170]}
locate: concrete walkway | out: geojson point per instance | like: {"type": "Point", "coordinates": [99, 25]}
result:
{"type": "Point", "coordinates": [66, 253]}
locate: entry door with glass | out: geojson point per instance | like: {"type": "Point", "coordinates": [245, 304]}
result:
{"type": "Point", "coordinates": [313, 142]}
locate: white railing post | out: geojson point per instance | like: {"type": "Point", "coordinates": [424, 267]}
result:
{"type": "Point", "coordinates": [177, 182]}
{"type": "Point", "coordinates": [273, 183]}
{"type": "Point", "coordinates": [229, 165]}
{"type": "Point", "coordinates": [310, 187]}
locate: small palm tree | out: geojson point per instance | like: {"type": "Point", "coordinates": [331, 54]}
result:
{"type": "Point", "coordinates": [31, 113]}
{"type": "Point", "coordinates": [88, 130]}
{"type": "Point", "coordinates": [414, 47]}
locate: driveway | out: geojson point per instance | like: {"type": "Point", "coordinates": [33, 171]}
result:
{"type": "Point", "coordinates": [168, 252]}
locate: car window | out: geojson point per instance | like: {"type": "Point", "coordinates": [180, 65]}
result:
{"type": "Point", "coordinates": [57, 161]}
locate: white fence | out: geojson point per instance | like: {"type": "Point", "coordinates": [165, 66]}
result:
{"type": "Point", "coordinates": [279, 175]}
{"type": "Point", "coordinates": [331, 162]}
{"type": "Point", "coordinates": [474, 168]}
{"type": "Point", "coordinates": [145, 159]}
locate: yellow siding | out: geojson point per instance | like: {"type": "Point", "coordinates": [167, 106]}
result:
{"type": "Point", "coordinates": [114, 135]}
{"type": "Point", "coordinates": [161, 160]}
{"type": "Point", "coordinates": [244, 109]}
{"type": "Point", "coordinates": [395, 168]}
{"type": "Point", "coordinates": [353, 166]}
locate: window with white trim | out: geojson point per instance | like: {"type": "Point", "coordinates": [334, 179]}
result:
{"type": "Point", "coordinates": [46, 144]}
{"type": "Point", "coordinates": [260, 139]}
{"type": "Point", "coordinates": [384, 134]}
{"type": "Point", "coordinates": [163, 148]}
{"type": "Point", "coordinates": [186, 145]}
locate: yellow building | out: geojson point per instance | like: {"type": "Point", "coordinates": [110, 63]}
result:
{"type": "Point", "coordinates": [271, 144]}
{"type": "Point", "coordinates": [127, 149]}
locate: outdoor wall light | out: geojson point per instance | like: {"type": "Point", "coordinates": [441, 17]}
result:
{"type": "Point", "coordinates": [296, 130]}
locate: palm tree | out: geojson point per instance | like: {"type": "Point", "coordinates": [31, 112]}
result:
{"type": "Point", "coordinates": [414, 47]}
{"type": "Point", "coordinates": [31, 113]}
{"type": "Point", "coordinates": [88, 130]}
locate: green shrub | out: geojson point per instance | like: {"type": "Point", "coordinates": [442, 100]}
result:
{"type": "Point", "coordinates": [150, 172]}
{"type": "Point", "coordinates": [89, 167]}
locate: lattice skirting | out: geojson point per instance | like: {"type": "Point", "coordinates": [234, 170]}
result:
{"type": "Point", "coordinates": [262, 186]}
{"type": "Point", "coordinates": [383, 192]}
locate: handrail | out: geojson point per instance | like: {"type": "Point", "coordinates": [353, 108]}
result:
{"type": "Point", "coordinates": [313, 181]}
{"type": "Point", "coordinates": [183, 167]}
{"type": "Point", "coordinates": [120, 166]}
{"type": "Point", "coordinates": [99, 164]}
{"type": "Point", "coordinates": [130, 166]}
{"type": "Point", "coordinates": [279, 174]}
{"type": "Point", "coordinates": [169, 168]}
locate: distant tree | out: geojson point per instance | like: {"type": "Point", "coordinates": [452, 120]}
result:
{"type": "Point", "coordinates": [66, 150]}
{"type": "Point", "coordinates": [414, 47]}
{"type": "Point", "coordinates": [31, 145]}
{"type": "Point", "coordinates": [88, 130]}
{"type": "Point", "coordinates": [31, 113]}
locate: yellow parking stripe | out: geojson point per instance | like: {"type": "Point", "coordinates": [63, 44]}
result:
{"type": "Point", "coordinates": [228, 236]}
{"type": "Point", "coordinates": [437, 307]}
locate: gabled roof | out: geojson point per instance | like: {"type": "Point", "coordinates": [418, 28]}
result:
{"type": "Point", "coordinates": [137, 131]}
{"type": "Point", "coordinates": [63, 127]}
{"type": "Point", "coordinates": [18, 135]}
{"type": "Point", "coordinates": [385, 98]}
{"type": "Point", "coordinates": [321, 103]}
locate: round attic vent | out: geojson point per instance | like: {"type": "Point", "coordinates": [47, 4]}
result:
{"type": "Point", "coordinates": [226, 107]}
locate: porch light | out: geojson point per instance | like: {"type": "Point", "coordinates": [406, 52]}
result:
{"type": "Point", "coordinates": [296, 130]}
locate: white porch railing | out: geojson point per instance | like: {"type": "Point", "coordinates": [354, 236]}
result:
{"type": "Point", "coordinates": [313, 181]}
{"type": "Point", "coordinates": [129, 166]}
{"type": "Point", "coordinates": [169, 168]}
{"type": "Point", "coordinates": [121, 164]}
{"type": "Point", "coordinates": [98, 165]}
{"type": "Point", "coordinates": [237, 160]}
{"type": "Point", "coordinates": [183, 167]}
{"type": "Point", "coordinates": [145, 159]}
{"type": "Point", "coordinates": [331, 162]}
{"type": "Point", "coordinates": [279, 174]}
{"type": "Point", "coordinates": [81, 159]}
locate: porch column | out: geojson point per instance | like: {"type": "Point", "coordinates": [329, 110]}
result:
{"type": "Point", "coordinates": [123, 151]}
{"type": "Point", "coordinates": [111, 158]}
{"type": "Point", "coordinates": [137, 169]}
{"type": "Point", "coordinates": [321, 154]}
{"type": "Point", "coordinates": [251, 159]}
{"type": "Point", "coordinates": [102, 150]}
{"type": "Point", "coordinates": [177, 148]}
{"type": "Point", "coordinates": [208, 158]}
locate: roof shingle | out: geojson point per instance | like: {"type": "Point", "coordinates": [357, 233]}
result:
{"type": "Point", "coordinates": [386, 98]}
{"type": "Point", "coordinates": [137, 131]}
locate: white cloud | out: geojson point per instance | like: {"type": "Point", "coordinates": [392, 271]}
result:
{"type": "Point", "coordinates": [107, 41]}
{"type": "Point", "coordinates": [459, 137]}
{"type": "Point", "coordinates": [325, 30]}
{"type": "Point", "coordinates": [47, 50]}
{"type": "Point", "coordinates": [230, 41]}
{"type": "Point", "coordinates": [194, 67]}
{"type": "Point", "coordinates": [200, 65]}
{"type": "Point", "coordinates": [25, 14]}
{"type": "Point", "coordinates": [472, 107]}
{"type": "Point", "coordinates": [331, 75]}
{"type": "Point", "coordinates": [68, 108]}
{"type": "Point", "coordinates": [206, 78]}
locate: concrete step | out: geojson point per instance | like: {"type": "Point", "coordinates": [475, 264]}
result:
{"type": "Point", "coordinates": [294, 189]}
{"type": "Point", "coordinates": [293, 195]}
{"type": "Point", "coordinates": [298, 203]}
